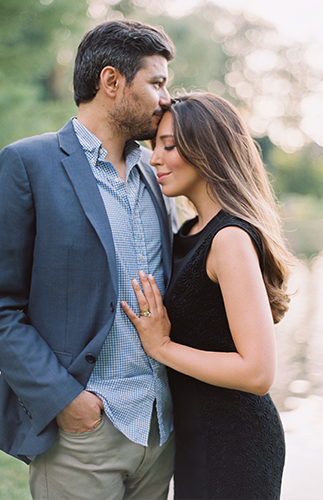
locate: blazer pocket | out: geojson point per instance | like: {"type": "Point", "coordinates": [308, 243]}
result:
{"type": "Point", "coordinates": [65, 358]}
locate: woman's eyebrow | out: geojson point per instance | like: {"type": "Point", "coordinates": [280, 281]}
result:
{"type": "Point", "coordinates": [166, 136]}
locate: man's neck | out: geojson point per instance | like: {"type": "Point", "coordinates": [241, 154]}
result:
{"type": "Point", "coordinates": [114, 145]}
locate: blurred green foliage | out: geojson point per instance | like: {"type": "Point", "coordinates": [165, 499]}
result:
{"type": "Point", "coordinates": [35, 93]}
{"type": "Point", "coordinates": [216, 51]}
{"type": "Point", "coordinates": [299, 172]}
{"type": "Point", "coordinates": [14, 479]}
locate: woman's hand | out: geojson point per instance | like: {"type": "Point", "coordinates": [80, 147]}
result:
{"type": "Point", "coordinates": [154, 327]}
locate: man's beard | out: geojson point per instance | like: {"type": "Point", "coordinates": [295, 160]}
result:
{"type": "Point", "coordinates": [138, 129]}
{"type": "Point", "coordinates": [126, 121]}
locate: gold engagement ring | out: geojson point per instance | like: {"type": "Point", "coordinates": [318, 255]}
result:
{"type": "Point", "coordinates": [145, 312]}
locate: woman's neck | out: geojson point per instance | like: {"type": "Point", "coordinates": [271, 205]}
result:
{"type": "Point", "coordinates": [206, 209]}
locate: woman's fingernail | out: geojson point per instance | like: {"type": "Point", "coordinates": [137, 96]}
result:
{"type": "Point", "coordinates": [142, 274]}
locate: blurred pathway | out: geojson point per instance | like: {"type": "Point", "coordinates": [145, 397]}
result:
{"type": "Point", "coordinates": [303, 476]}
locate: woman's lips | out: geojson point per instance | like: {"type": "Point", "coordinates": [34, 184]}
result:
{"type": "Point", "coordinates": [161, 176]}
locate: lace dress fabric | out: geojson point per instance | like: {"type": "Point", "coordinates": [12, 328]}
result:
{"type": "Point", "coordinates": [229, 443]}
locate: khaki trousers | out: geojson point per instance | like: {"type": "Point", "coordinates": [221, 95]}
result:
{"type": "Point", "coordinates": [103, 465]}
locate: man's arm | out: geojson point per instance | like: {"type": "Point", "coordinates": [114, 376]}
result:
{"type": "Point", "coordinates": [27, 362]}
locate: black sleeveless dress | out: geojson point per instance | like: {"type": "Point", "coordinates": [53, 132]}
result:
{"type": "Point", "coordinates": [229, 443]}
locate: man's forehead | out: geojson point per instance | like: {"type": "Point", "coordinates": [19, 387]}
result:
{"type": "Point", "coordinates": [155, 64]}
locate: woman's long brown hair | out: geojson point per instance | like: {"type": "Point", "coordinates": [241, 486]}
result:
{"type": "Point", "coordinates": [210, 135]}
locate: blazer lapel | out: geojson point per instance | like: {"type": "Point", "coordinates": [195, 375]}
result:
{"type": "Point", "coordinates": [86, 189]}
{"type": "Point", "coordinates": [149, 178]}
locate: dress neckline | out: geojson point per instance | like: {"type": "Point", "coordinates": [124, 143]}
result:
{"type": "Point", "coordinates": [187, 226]}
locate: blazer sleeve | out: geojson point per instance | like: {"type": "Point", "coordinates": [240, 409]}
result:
{"type": "Point", "coordinates": [27, 363]}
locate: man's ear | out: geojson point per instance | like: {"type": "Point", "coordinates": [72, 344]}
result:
{"type": "Point", "coordinates": [110, 80]}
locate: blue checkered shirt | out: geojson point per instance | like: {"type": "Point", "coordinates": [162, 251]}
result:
{"type": "Point", "coordinates": [124, 377]}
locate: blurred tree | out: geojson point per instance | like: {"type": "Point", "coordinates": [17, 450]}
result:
{"type": "Point", "coordinates": [37, 41]}
{"type": "Point", "coordinates": [300, 172]}
{"type": "Point", "coordinates": [276, 85]}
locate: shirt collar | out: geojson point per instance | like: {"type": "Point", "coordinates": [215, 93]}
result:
{"type": "Point", "coordinates": [93, 146]}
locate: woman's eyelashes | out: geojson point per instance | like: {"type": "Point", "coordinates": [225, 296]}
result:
{"type": "Point", "coordinates": [169, 148]}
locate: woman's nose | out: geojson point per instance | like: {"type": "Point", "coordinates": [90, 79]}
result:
{"type": "Point", "coordinates": [154, 160]}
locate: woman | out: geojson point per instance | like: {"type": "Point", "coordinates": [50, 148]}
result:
{"type": "Point", "coordinates": [228, 288]}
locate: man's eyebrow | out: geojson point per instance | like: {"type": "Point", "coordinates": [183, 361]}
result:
{"type": "Point", "coordinates": [160, 77]}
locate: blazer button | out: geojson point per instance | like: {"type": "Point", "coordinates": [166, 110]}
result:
{"type": "Point", "coordinates": [111, 306]}
{"type": "Point", "coordinates": [90, 358]}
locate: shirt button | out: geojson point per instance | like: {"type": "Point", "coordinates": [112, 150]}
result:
{"type": "Point", "coordinates": [116, 179]}
{"type": "Point", "coordinates": [141, 256]}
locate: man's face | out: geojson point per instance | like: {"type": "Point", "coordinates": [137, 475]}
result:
{"type": "Point", "coordinates": [140, 107]}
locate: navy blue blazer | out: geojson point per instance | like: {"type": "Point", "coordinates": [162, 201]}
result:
{"type": "Point", "coordinates": [58, 283]}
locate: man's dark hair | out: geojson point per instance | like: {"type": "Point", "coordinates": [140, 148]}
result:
{"type": "Point", "coordinates": [121, 44]}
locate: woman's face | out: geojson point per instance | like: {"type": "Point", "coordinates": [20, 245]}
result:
{"type": "Point", "coordinates": [175, 175]}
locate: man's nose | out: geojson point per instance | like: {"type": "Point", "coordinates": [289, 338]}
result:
{"type": "Point", "coordinates": [164, 99]}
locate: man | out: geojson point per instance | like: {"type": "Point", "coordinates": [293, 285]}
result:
{"type": "Point", "coordinates": [80, 215]}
